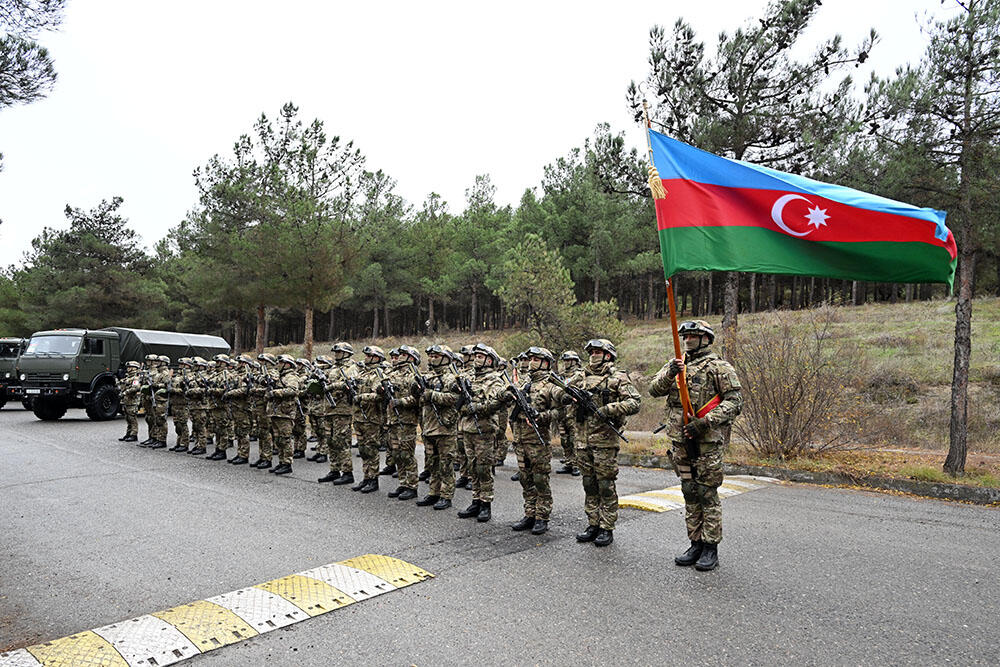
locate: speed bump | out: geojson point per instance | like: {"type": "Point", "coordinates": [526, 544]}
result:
{"type": "Point", "coordinates": [172, 635]}
{"type": "Point", "coordinates": [671, 498]}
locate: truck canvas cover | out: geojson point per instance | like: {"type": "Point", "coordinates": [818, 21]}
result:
{"type": "Point", "coordinates": [137, 343]}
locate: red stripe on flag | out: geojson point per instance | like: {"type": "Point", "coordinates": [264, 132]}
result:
{"type": "Point", "coordinates": [692, 204]}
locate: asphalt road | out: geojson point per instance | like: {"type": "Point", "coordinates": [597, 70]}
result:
{"type": "Point", "coordinates": [95, 531]}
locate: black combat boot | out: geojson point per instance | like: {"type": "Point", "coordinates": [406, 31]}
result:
{"type": "Point", "coordinates": [124, 438]}
{"type": "Point", "coordinates": [407, 494]}
{"type": "Point", "coordinates": [320, 458]}
{"type": "Point", "coordinates": [197, 451]}
{"type": "Point", "coordinates": [690, 557]}
{"type": "Point", "coordinates": [370, 486]}
{"type": "Point", "coordinates": [239, 460]}
{"type": "Point", "coordinates": [485, 513]}
{"type": "Point", "coordinates": [346, 477]}
{"type": "Point", "coordinates": [576, 472]}
{"type": "Point", "coordinates": [428, 500]}
{"type": "Point", "coordinates": [395, 492]}
{"type": "Point", "coordinates": [442, 504]}
{"type": "Point", "coordinates": [526, 523]}
{"type": "Point", "coordinates": [461, 482]}
{"type": "Point", "coordinates": [388, 469]}
{"type": "Point", "coordinates": [587, 535]}
{"type": "Point", "coordinates": [604, 538]}
{"type": "Point", "coordinates": [470, 511]}
{"type": "Point", "coordinates": [360, 485]}
{"type": "Point", "coordinates": [298, 454]}
{"type": "Point", "coordinates": [130, 438]}
{"type": "Point", "coordinates": [424, 476]}
{"type": "Point", "coordinates": [565, 470]}
{"type": "Point", "coordinates": [516, 477]}
{"type": "Point", "coordinates": [331, 476]}
{"type": "Point", "coordinates": [283, 469]}
{"type": "Point", "coordinates": [263, 464]}
{"type": "Point", "coordinates": [145, 442]}
{"type": "Point", "coordinates": [541, 526]}
{"type": "Point", "coordinates": [709, 558]}
{"type": "Point", "coordinates": [217, 455]}
{"type": "Point", "coordinates": [179, 448]}
{"type": "Point", "coordinates": [157, 444]}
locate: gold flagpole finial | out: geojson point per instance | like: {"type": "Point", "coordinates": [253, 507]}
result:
{"type": "Point", "coordinates": [655, 182]}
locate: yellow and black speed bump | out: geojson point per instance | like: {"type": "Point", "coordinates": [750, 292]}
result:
{"type": "Point", "coordinates": [169, 636]}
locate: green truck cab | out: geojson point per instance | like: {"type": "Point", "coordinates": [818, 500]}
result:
{"type": "Point", "coordinates": [77, 368]}
{"type": "Point", "coordinates": [10, 350]}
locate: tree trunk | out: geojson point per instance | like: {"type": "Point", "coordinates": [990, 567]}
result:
{"type": "Point", "coordinates": [474, 316]}
{"type": "Point", "coordinates": [261, 328]}
{"type": "Point", "coordinates": [331, 331]}
{"type": "Point", "coordinates": [375, 322]}
{"type": "Point", "coordinates": [385, 319]}
{"type": "Point", "coordinates": [772, 292]}
{"type": "Point", "coordinates": [597, 290]}
{"type": "Point", "coordinates": [731, 302]}
{"type": "Point", "coordinates": [954, 464]}
{"type": "Point", "coordinates": [237, 336]}
{"type": "Point", "coordinates": [909, 292]}
{"type": "Point", "coordinates": [708, 308]}
{"type": "Point", "coordinates": [650, 297]}
{"type": "Point", "coordinates": [854, 292]}
{"type": "Point", "coordinates": [431, 326]}
{"type": "Point", "coordinates": [307, 342]}
{"type": "Point", "coordinates": [753, 292]}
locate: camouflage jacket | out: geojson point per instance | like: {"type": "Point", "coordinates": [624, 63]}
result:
{"type": "Point", "coordinates": [368, 395]}
{"type": "Point", "coordinates": [546, 398]}
{"type": "Point", "coordinates": [128, 388]}
{"type": "Point", "coordinates": [337, 378]}
{"type": "Point", "coordinates": [239, 389]}
{"type": "Point", "coordinates": [404, 389]}
{"type": "Point", "coordinates": [314, 391]}
{"type": "Point", "coordinates": [284, 398]}
{"type": "Point", "coordinates": [197, 393]}
{"type": "Point", "coordinates": [488, 396]}
{"type": "Point", "coordinates": [442, 391]}
{"type": "Point", "coordinates": [614, 392]}
{"type": "Point", "coordinates": [708, 376]}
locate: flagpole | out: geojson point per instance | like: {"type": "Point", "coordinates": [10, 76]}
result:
{"type": "Point", "coordinates": [686, 411]}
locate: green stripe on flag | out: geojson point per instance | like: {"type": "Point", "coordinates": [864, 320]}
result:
{"type": "Point", "coordinates": [757, 250]}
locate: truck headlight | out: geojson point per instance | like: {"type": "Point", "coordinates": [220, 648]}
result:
{"type": "Point", "coordinates": [23, 377]}
{"type": "Point", "coordinates": [7, 375]}
{"type": "Point", "coordinates": [65, 377]}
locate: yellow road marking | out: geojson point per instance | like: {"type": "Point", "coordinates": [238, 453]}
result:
{"type": "Point", "coordinates": [647, 500]}
{"type": "Point", "coordinates": [207, 625]}
{"type": "Point", "coordinates": [397, 572]}
{"type": "Point", "coordinates": [312, 596]}
{"type": "Point", "coordinates": [83, 648]}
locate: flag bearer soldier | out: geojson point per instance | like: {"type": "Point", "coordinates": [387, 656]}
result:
{"type": "Point", "coordinates": [698, 446]}
{"type": "Point", "coordinates": [478, 425]}
{"type": "Point", "coordinates": [596, 440]}
{"type": "Point", "coordinates": [438, 424]}
{"type": "Point", "coordinates": [342, 373]}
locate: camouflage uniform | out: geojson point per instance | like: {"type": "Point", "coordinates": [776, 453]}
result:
{"type": "Point", "coordinates": [161, 377]}
{"type": "Point", "coordinates": [567, 418]}
{"type": "Point", "coordinates": [266, 377]}
{"type": "Point", "coordinates": [128, 390]}
{"type": "Point", "coordinates": [438, 430]}
{"type": "Point", "coordinates": [487, 398]}
{"type": "Point", "coordinates": [370, 419]}
{"type": "Point", "coordinates": [179, 406]}
{"type": "Point", "coordinates": [341, 418]}
{"type": "Point", "coordinates": [534, 456]}
{"type": "Point", "coordinates": [401, 417]}
{"type": "Point", "coordinates": [596, 444]}
{"type": "Point", "coordinates": [299, 435]}
{"type": "Point", "coordinates": [708, 376]}
{"type": "Point", "coordinates": [146, 397]}
{"type": "Point", "coordinates": [220, 382]}
{"type": "Point", "coordinates": [198, 406]}
{"type": "Point", "coordinates": [241, 405]}
{"type": "Point", "coordinates": [282, 408]}
{"type": "Point", "coordinates": [318, 407]}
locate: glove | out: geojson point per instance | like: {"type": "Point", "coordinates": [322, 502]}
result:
{"type": "Point", "coordinates": [696, 428]}
{"type": "Point", "coordinates": [416, 390]}
{"type": "Point", "coordinates": [471, 408]}
{"type": "Point", "coordinates": [674, 368]}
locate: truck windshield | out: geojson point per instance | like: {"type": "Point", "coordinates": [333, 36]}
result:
{"type": "Point", "coordinates": [8, 350]}
{"type": "Point", "coordinates": [53, 345]}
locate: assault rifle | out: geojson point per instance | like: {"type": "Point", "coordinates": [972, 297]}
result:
{"type": "Point", "coordinates": [422, 387]}
{"type": "Point", "coordinates": [388, 390]}
{"type": "Point", "coordinates": [523, 406]}
{"type": "Point", "coordinates": [152, 392]}
{"type": "Point", "coordinates": [465, 395]}
{"type": "Point", "coordinates": [585, 403]}
{"type": "Point", "coordinates": [352, 391]}
{"type": "Point", "coordinates": [318, 376]}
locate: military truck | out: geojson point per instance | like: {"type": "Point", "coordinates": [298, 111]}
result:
{"type": "Point", "coordinates": [77, 368]}
{"type": "Point", "coordinates": [10, 350]}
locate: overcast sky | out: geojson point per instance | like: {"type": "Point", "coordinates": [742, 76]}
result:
{"type": "Point", "coordinates": [431, 92]}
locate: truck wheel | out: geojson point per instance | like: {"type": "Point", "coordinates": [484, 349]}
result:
{"type": "Point", "coordinates": [3, 400]}
{"type": "Point", "coordinates": [27, 403]}
{"type": "Point", "coordinates": [103, 403]}
{"type": "Point", "coordinates": [48, 411]}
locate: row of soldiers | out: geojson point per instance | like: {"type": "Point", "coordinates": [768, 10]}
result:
{"type": "Point", "coordinates": [462, 406]}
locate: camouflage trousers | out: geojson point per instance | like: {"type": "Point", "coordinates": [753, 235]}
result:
{"type": "Point", "coordinates": [369, 439]}
{"type": "Point", "coordinates": [320, 427]}
{"type": "Point", "coordinates": [339, 443]}
{"type": "Point", "coordinates": [700, 484]}
{"type": "Point", "coordinates": [265, 440]}
{"type": "Point", "coordinates": [199, 426]}
{"type": "Point", "coordinates": [282, 428]}
{"type": "Point", "coordinates": [534, 462]}
{"type": "Point", "coordinates": [241, 427]}
{"type": "Point", "coordinates": [180, 412]}
{"type": "Point", "coordinates": [131, 411]}
{"type": "Point", "coordinates": [403, 447]}
{"type": "Point", "coordinates": [299, 432]}
{"type": "Point", "coordinates": [567, 434]}
{"type": "Point", "coordinates": [160, 420]}
{"type": "Point", "coordinates": [148, 416]}
{"type": "Point", "coordinates": [463, 457]}
{"type": "Point", "coordinates": [222, 427]}
{"type": "Point", "coordinates": [500, 443]}
{"type": "Point", "coordinates": [599, 470]}
{"type": "Point", "coordinates": [481, 447]}
{"type": "Point", "coordinates": [439, 453]}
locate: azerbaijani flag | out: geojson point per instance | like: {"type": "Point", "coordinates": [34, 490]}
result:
{"type": "Point", "coordinates": [726, 215]}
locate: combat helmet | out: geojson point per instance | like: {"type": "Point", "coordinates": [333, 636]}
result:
{"type": "Point", "coordinates": [412, 351]}
{"type": "Point", "coordinates": [541, 353]}
{"type": "Point", "coordinates": [467, 350]}
{"type": "Point", "coordinates": [133, 364]}
{"type": "Point", "coordinates": [198, 361]}
{"type": "Point", "coordinates": [480, 348]}
{"type": "Point", "coordinates": [570, 355]}
{"type": "Point", "coordinates": [268, 358]}
{"type": "Point", "coordinates": [342, 347]}
{"type": "Point", "coordinates": [374, 351]}
{"type": "Point", "coordinates": [602, 344]}
{"type": "Point", "coordinates": [246, 359]}
{"type": "Point", "coordinates": [287, 359]}
{"type": "Point", "coordinates": [164, 359]}
{"type": "Point", "coordinates": [152, 358]}
{"type": "Point", "coordinates": [303, 362]}
{"type": "Point", "coordinates": [185, 361]}
{"type": "Point", "coordinates": [697, 328]}
{"type": "Point", "coordinates": [442, 350]}
{"type": "Point", "coordinates": [221, 358]}
{"type": "Point", "coordinates": [323, 360]}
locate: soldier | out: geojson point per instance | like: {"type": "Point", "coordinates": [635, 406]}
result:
{"type": "Point", "coordinates": [500, 444]}
{"type": "Point", "coordinates": [304, 369]}
{"type": "Point", "coordinates": [531, 444]}
{"type": "Point", "coordinates": [698, 446]}
{"type": "Point", "coordinates": [161, 378]}
{"type": "Point", "coordinates": [438, 422]}
{"type": "Point", "coordinates": [319, 405]}
{"type": "Point", "coordinates": [128, 389]}
{"type": "Point", "coordinates": [387, 440]}
{"type": "Point", "coordinates": [240, 403]}
{"type": "Point", "coordinates": [521, 363]}
{"type": "Point", "coordinates": [402, 416]}
{"type": "Point", "coordinates": [597, 442]}
{"type": "Point", "coordinates": [179, 404]}
{"type": "Point", "coordinates": [341, 376]}
{"type": "Point", "coordinates": [198, 405]}
{"type": "Point", "coordinates": [146, 395]}
{"type": "Point", "coordinates": [569, 363]}
{"type": "Point", "coordinates": [463, 462]}
{"type": "Point", "coordinates": [282, 409]}
{"type": "Point", "coordinates": [220, 382]}
{"type": "Point", "coordinates": [370, 419]}
{"type": "Point", "coordinates": [478, 425]}
{"type": "Point", "coordinates": [265, 381]}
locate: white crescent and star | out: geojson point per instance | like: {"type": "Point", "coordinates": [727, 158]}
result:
{"type": "Point", "coordinates": [817, 217]}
